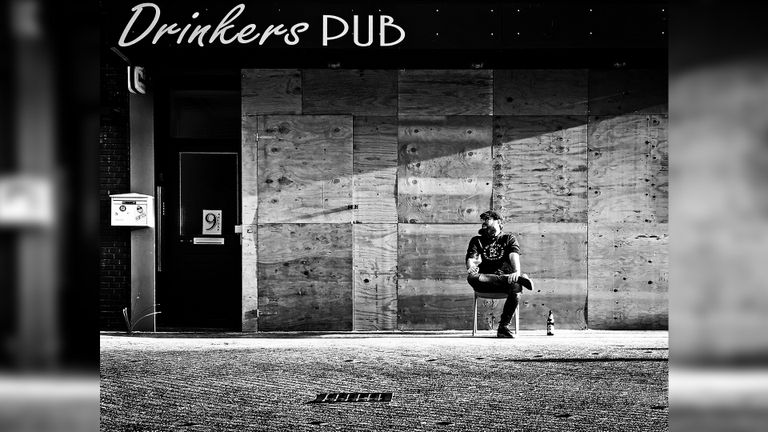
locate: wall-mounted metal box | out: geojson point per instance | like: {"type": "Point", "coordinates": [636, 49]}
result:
{"type": "Point", "coordinates": [133, 209]}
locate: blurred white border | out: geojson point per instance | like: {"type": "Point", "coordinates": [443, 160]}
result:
{"type": "Point", "coordinates": [45, 387]}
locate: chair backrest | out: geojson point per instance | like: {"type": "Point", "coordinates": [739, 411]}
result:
{"type": "Point", "coordinates": [491, 295]}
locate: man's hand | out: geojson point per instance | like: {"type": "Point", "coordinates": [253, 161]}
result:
{"type": "Point", "coordinates": [473, 270]}
{"type": "Point", "coordinates": [513, 276]}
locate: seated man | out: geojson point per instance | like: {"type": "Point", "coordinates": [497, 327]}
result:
{"type": "Point", "coordinates": [493, 265]}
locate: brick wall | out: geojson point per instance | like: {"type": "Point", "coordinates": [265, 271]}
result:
{"type": "Point", "coordinates": [114, 177]}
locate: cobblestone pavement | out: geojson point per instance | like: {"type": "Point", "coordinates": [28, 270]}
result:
{"type": "Point", "coordinates": [573, 381]}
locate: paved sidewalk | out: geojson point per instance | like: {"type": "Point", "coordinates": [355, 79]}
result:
{"type": "Point", "coordinates": [573, 381]}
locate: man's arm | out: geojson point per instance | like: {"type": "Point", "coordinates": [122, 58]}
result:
{"type": "Point", "coordinates": [473, 258]}
{"type": "Point", "coordinates": [473, 264]}
{"type": "Point", "coordinates": [514, 258]}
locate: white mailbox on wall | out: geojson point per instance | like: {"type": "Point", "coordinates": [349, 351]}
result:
{"type": "Point", "coordinates": [133, 209]}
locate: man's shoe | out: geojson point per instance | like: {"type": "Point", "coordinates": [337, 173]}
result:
{"type": "Point", "coordinates": [525, 281]}
{"type": "Point", "coordinates": [504, 332]}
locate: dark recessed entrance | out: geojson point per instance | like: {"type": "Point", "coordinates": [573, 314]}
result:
{"type": "Point", "coordinates": [198, 174]}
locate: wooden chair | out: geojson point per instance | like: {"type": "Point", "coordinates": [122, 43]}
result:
{"type": "Point", "coordinates": [494, 296]}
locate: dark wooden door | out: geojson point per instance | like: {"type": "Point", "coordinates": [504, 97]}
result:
{"type": "Point", "coordinates": [204, 252]}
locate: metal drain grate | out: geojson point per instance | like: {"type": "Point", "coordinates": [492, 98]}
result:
{"type": "Point", "coordinates": [352, 397]}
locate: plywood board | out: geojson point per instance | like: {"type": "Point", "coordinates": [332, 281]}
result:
{"type": "Point", "coordinates": [375, 301]}
{"type": "Point", "coordinates": [628, 169]}
{"type": "Point", "coordinates": [566, 298]}
{"type": "Point", "coordinates": [344, 91]}
{"type": "Point", "coordinates": [375, 248]}
{"type": "Point", "coordinates": [375, 167]}
{"type": "Point", "coordinates": [444, 168]}
{"type": "Point", "coordinates": [250, 279]}
{"type": "Point", "coordinates": [429, 304]}
{"type": "Point", "coordinates": [434, 251]}
{"type": "Point", "coordinates": [375, 278]}
{"type": "Point", "coordinates": [305, 276]}
{"type": "Point", "coordinates": [445, 92]}
{"type": "Point", "coordinates": [552, 250]}
{"type": "Point", "coordinates": [305, 169]}
{"type": "Point", "coordinates": [540, 92]}
{"type": "Point", "coordinates": [626, 91]}
{"type": "Point", "coordinates": [540, 168]}
{"type": "Point", "coordinates": [628, 276]}
{"type": "Point", "coordinates": [270, 91]}
{"type": "Point", "coordinates": [249, 170]}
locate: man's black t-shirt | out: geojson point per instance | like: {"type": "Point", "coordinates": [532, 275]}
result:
{"type": "Point", "coordinates": [494, 252]}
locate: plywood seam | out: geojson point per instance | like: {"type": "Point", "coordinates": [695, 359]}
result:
{"type": "Point", "coordinates": [354, 263]}
{"type": "Point", "coordinates": [493, 105]}
{"type": "Point", "coordinates": [397, 94]}
{"type": "Point", "coordinates": [586, 309]}
{"type": "Point", "coordinates": [397, 211]}
{"type": "Point", "coordinates": [259, 121]}
{"type": "Point", "coordinates": [301, 79]}
{"type": "Point", "coordinates": [589, 108]}
{"type": "Point", "coordinates": [355, 213]}
{"type": "Point", "coordinates": [397, 172]}
{"type": "Point", "coordinates": [589, 101]}
{"type": "Point", "coordinates": [493, 120]}
{"type": "Point", "coordinates": [397, 275]}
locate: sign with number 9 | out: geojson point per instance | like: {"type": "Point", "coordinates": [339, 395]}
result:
{"type": "Point", "coordinates": [212, 222]}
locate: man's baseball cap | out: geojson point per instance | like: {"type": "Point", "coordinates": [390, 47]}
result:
{"type": "Point", "coordinates": [490, 214]}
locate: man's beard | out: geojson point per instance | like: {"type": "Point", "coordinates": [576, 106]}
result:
{"type": "Point", "coordinates": [489, 232]}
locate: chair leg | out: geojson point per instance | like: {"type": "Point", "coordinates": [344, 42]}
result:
{"type": "Point", "coordinates": [517, 318]}
{"type": "Point", "coordinates": [474, 321]}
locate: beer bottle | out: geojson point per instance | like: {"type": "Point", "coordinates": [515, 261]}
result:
{"type": "Point", "coordinates": [550, 324]}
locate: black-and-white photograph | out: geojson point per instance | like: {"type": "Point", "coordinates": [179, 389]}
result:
{"type": "Point", "coordinates": [403, 216]}
{"type": "Point", "coordinates": [379, 216]}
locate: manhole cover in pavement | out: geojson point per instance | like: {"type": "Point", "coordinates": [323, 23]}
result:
{"type": "Point", "coordinates": [352, 397]}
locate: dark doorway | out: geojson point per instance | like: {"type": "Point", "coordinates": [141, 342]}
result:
{"type": "Point", "coordinates": [198, 157]}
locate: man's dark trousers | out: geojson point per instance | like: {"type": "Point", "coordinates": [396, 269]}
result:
{"type": "Point", "coordinates": [491, 283]}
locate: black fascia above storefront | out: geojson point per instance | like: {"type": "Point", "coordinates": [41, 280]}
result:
{"type": "Point", "coordinates": [437, 35]}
